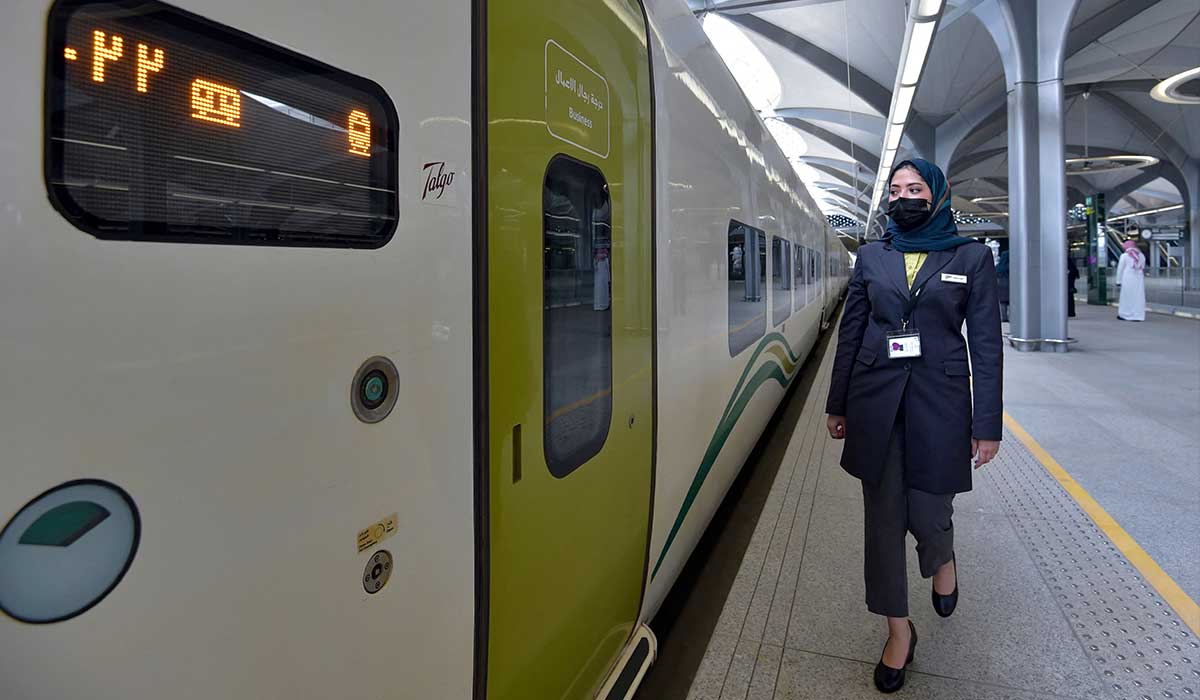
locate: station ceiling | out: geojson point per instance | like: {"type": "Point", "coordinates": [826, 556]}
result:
{"type": "Point", "coordinates": [836, 62]}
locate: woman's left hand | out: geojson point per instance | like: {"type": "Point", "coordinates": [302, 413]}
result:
{"type": "Point", "coordinates": [984, 451]}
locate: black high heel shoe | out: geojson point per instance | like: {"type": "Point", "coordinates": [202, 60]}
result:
{"type": "Point", "coordinates": [888, 679]}
{"type": "Point", "coordinates": [944, 605]}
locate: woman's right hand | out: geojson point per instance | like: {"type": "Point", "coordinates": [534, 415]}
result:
{"type": "Point", "coordinates": [836, 426]}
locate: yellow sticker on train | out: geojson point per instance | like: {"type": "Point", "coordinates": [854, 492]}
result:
{"type": "Point", "coordinates": [577, 101]}
{"type": "Point", "coordinates": [377, 532]}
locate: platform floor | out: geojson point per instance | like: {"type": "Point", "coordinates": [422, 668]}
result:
{"type": "Point", "coordinates": [1121, 413]}
{"type": "Point", "coordinates": [1050, 608]}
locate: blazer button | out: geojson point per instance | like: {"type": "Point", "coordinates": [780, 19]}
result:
{"type": "Point", "coordinates": [907, 367]}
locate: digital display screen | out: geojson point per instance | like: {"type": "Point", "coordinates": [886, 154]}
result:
{"type": "Point", "coordinates": [163, 126]}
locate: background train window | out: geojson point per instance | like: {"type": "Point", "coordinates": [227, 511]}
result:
{"type": "Point", "coordinates": [747, 278]}
{"type": "Point", "coordinates": [781, 280]}
{"type": "Point", "coordinates": [798, 277]}
{"type": "Point", "coordinates": [163, 126]}
{"type": "Point", "coordinates": [813, 274]}
{"type": "Point", "coordinates": [806, 278]}
{"type": "Point", "coordinates": [577, 314]}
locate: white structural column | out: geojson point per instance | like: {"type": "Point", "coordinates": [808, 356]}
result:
{"type": "Point", "coordinates": [1191, 174]}
{"type": "Point", "coordinates": [1032, 36]}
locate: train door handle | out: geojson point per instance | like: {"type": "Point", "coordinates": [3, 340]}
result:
{"type": "Point", "coordinates": [516, 452]}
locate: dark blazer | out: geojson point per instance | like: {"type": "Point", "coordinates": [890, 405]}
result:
{"type": "Point", "coordinates": [867, 387]}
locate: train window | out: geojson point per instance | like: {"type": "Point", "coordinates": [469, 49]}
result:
{"type": "Point", "coordinates": [164, 126]}
{"type": "Point", "coordinates": [747, 277]}
{"type": "Point", "coordinates": [797, 277]}
{"type": "Point", "coordinates": [576, 314]}
{"type": "Point", "coordinates": [804, 277]}
{"type": "Point", "coordinates": [781, 280]}
{"type": "Point", "coordinates": [813, 273]}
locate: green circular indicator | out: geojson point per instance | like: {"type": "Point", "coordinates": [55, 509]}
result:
{"type": "Point", "coordinates": [373, 393]}
{"type": "Point", "coordinates": [373, 389]}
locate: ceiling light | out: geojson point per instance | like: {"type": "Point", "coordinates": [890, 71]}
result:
{"type": "Point", "coordinates": [1145, 212]}
{"type": "Point", "coordinates": [903, 103]}
{"type": "Point", "coordinates": [1106, 164]}
{"type": "Point", "coordinates": [929, 8]}
{"type": "Point", "coordinates": [918, 47]}
{"type": "Point", "coordinates": [989, 200]}
{"type": "Point", "coordinates": [1168, 90]}
{"type": "Point", "coordinates": [891, 140]}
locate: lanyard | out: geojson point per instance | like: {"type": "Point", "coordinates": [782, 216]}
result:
{"type": "Point", "coordinates": [914, 296]}
{"type": "Point", "coordinates": [909, 306]}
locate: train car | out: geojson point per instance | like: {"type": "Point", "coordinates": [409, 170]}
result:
{"type": "Point", "coordinates": [392, 350]}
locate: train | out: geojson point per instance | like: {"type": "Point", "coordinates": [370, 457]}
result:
{"type": "Point", "coordinates": [382, 350]}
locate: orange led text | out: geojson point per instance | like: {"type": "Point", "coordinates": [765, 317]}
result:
{"type": "Point", "coordinates": [147, 65]}
{"type": "Point", "coordinates": [70, 53]}
{"type": "Point", "coordinates": [358, 129]}
{"type": "Point", "coordinates": [104, 51]}
{"type": "Point", "coordinates": [219, 104]}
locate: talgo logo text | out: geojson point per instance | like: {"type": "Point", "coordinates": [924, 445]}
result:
{"type": "Point", "coordinates": [436, 179]}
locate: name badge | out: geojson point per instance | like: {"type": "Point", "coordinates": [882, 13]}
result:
{"type": "Point", "coordinates": [906, 343]}
{"type": "Point", "coordinates": [956, 279]}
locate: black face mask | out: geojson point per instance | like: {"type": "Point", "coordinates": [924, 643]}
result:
{"type": "Point", "coordinates": [909, 212]}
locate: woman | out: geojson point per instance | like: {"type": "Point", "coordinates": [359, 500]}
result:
{"type": "Point", "coordinates": [901, 395]}
{"type": "Point", "coordinates": [1131, 281]}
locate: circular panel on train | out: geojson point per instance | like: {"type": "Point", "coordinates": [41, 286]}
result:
{"type": "Point", "coordinates": [374, 389]}
{"type": "Point", "coordinates": [66, 550]}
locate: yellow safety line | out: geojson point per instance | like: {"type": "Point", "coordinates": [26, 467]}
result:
{"type": "Point", "coordinates": [1150, 570]}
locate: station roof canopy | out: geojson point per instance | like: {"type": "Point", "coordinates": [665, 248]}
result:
{"type": "Point", "coordinates": [836, 61]}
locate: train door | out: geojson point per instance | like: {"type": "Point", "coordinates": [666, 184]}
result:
{"type": "Point", "coordinates": [570, 347]}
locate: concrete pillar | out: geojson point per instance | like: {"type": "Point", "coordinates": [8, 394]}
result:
{"type": "Point", "coordinates": [1032, 36]}
{"type": "Point", "coordinates": [1191, 175]}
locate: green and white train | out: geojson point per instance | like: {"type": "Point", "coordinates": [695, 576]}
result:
{"type": "Point", "coordinates": [376, 350]}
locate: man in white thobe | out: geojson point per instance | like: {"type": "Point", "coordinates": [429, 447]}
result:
{"type": "Point", "coordinates": [1131, 280]}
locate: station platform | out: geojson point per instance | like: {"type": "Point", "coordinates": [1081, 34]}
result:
{"type": "Point", "coordinates": [1069, 547]}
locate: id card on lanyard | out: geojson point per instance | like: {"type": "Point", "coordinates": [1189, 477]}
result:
{"type": "Point", "coordinates": [903, 343]}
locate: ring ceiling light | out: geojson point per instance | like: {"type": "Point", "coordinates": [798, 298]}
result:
{"type": "Point", "coordinates": [1145, 212]}
{"type": "Point", "coordinates": [1169, 90]}
{"type": "Point", "coordinates": [1107, 164]}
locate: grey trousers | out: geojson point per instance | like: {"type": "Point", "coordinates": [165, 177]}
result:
{"type": "Point", "coordinates": [891, 511]}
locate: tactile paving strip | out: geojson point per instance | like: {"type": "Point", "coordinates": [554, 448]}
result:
{"type": "Point", "coordinates": [1135, 641]}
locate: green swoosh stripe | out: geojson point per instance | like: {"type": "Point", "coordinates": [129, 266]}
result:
{"type": "Point", "coordinates": [790, 363]}
{"type": "Point", "coordinates": [780, 371]}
